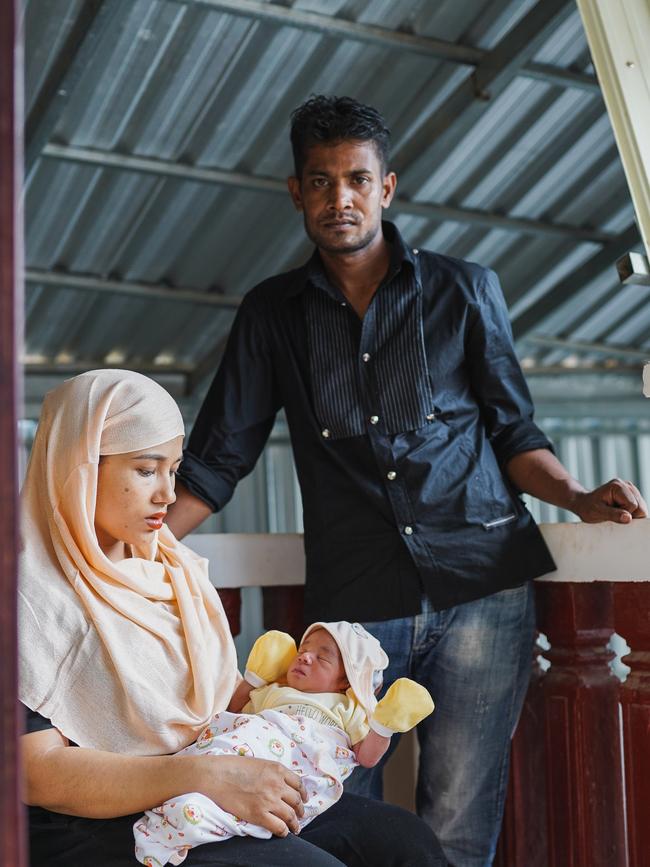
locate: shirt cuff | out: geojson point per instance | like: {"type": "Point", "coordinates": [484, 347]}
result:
{"type": "Point", "coordinates": [202, 481]}
{"type": "Point", "coordinates": [515, 440]}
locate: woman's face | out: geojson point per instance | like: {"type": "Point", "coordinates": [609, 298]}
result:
{"type": "Point", "coordinates": [133, 492]}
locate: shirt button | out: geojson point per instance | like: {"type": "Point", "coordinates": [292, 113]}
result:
{"type": "Point", "coordinates": [408, 531]}
{"type": "Point", "coordinates": [365, 356]}
{"type": "Point", "coordinates": [431, 416]}
{"type": "Point", "coordinates": [415, 250]}
{"type": "Point", "coordinates": [391, 475]}
{"type": "Point", "coordinates": [325, 433]}
{"type": "Point", "coordinates": [374, 419]}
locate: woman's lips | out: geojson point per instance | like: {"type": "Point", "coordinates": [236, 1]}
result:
{"type": "Point", "coordinates": [156, 521]}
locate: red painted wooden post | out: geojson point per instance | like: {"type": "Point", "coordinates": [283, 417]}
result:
{"type": "Point", "coordinates": [523, 837]}
{"type": "Point", "coordinates": [632, 619]}
{"type": "Point", "coordinates": [584, 791]}
{"type": "Point", "coordinates": [284, 609]}
{"type": "Point", "coordinates": [12, 840]}
{"type": "Point", "coordinates": [231, 599]}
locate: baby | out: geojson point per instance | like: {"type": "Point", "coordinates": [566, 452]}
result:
{"type": "Point", "coordinates": [313, 709]}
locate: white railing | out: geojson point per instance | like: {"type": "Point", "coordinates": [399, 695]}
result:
{"type": "Point", "coordinates": [583, 552]}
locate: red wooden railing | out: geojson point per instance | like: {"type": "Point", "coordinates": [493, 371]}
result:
{"type": "Point", "coordinates": [568, 791]}
{"type": "Point", "coordinates": [632, 619]}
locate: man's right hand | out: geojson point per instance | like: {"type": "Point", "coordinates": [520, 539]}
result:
{"type": "Point", "coordinates": [617, 500]}
{"type": "Point", "coordinates": [257, 790]}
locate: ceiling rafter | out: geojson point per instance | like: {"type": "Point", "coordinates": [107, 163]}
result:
{"type": "Point", "coordinates": [605, 258]}
{"type": "Point", "coordinates": [432, 211]}
{"type": "Point", "coordinates": [67, 70]}
{"type": "Point", "coordinates": [73, 368]}
{"type": "Point", "coordinates": [440, 133]}
{"type": "Point", "coordinates": [91, 283]}
{"type": "Point", "coordinates": [606, 349]}
{"type": "Point", "coordinates": [371, 34]}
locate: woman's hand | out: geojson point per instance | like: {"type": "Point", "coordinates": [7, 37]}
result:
{"type": "Point", "coordinates": [101, 785]}
{"type": "Point", "coordinates": [256, 790]}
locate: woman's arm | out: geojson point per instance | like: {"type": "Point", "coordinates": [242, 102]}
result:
{"type": "Point", "coordinates": [99, 785]}
{"type": "Point", "coordinates": [371, 749]}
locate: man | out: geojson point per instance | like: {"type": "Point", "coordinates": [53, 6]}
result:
{"type": "Point", "coordinates": [412, 431]}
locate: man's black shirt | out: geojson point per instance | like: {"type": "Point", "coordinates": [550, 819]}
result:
{"type": "Point", "coordinates": [388, 515]}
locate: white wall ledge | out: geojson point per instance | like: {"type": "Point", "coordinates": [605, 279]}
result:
{"type": "Point", "coordinates": [599, 552]}
{"type": "Point", "coordinates": [583, 552]}
{"type": "Point", "coordinates": [251, 559]}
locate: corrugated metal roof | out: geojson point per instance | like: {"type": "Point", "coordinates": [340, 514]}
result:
{"type": "Point", "coordinates": [165, 163]}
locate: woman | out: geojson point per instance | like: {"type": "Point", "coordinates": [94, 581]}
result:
{"type": "Point", "coordinates": [126, 653]}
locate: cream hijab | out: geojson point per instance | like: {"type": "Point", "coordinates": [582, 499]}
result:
{"type": "Point", "coordinates": [132, 657]}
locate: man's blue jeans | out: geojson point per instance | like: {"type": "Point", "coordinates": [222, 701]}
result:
{"type": "Point", "coordinates": [475, 659]}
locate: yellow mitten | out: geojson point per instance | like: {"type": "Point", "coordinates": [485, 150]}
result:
{"type": "Point", "coordinates": [405, 704]}
{"type": "Point", "coordinates": [270, 658]}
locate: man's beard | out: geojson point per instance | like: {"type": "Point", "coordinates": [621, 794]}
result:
{"type": "Point", "coordinates": [351, 245]}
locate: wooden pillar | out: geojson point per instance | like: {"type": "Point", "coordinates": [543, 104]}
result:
{"type": "Point", "coordinates": [231, 601]}
{"type": "Point", "coordinates": [12, 843]}
{"type": "Point", "coordinates": [584, 793]}
{"type": "Point", "coordinates": [523, 838]}
{"type": "Point", "coordinates": [284, 609]}
{"type": "Point", "coordinates": [632, 619]}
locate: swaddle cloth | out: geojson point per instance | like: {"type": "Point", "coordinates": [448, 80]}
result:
{"type": "Point", "coordinates": [320, 755]}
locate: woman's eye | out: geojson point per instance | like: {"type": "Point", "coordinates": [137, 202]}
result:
{"type": "Point", "coordinates": [146, 473]}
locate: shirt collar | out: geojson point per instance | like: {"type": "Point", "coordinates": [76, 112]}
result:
{"type": "Point", "coordinates": [312, 271]}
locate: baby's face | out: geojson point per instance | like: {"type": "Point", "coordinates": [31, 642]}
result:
{"type": "Point", "coordinates": [318, 667]}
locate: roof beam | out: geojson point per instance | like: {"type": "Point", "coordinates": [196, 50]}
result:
{"type": "Point", "coordinates": [562, 77]}
{"type": "Point", "coordinates": [573, 282]}
{"type": "Point", "coordinates": [330, 25]}
{"type": "Point", "coordinates": [606, 349]}
{"type": "Point", "coordinates": [428, 210]}
{"type": "Point", "coordinates": [73, 368]}
{"type": "Point", "coordinates": [592, 369]}
{"type": "Point", "coordinates": [90, 283]}
{"type": "Point", "coordinates": [441, 49]}
{"type": "Point", "coordinates": [66, 72]}
{"type": "Point", "coordinates": [449, 124]}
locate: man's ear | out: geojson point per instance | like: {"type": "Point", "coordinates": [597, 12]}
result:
{"type": "Point", "coordinates": [389, 186]}
{"type": "Point", "coordinates": [293, 184]}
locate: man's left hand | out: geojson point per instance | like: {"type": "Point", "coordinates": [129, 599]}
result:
{"type": "Point", "coordinates": [616, 501]}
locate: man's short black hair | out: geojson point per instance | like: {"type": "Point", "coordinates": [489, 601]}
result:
{"type": "Point", "coordinates": [333, 119]}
